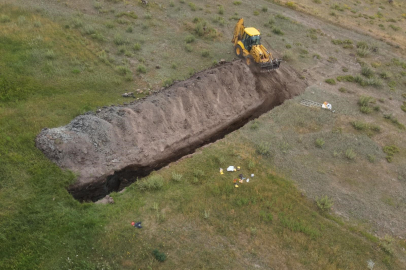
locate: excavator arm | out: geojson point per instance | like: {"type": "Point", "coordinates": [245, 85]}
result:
{"type": "Point", "coordinates": [238, 31]}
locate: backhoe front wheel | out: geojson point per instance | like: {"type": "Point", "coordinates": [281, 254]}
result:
{"type": "Point", "coordinates": [238, 51]}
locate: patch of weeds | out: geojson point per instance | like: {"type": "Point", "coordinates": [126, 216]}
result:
{"type": "Point", "coordinates": [350, 154]}
{"type": "Point", "coordinates": [198, 173]}
{"type": "Point", "coordinates": [367, 72]}
{"type": "Point", "coordinates": [256, 13]}
{"type": "Point", "coordinates": [205, 53]}
{"type": "Point", "coordinates": [365, 100]}
{"type": "Point", "coordinates": [176, 177]}
{"type": "Point", "coordinates": [343, 90]}
{"type": "Point", "coordinates": [336, 42]}
{"type": "Point", "coordinates": [264, 9]}
{"type": "Point", "coordinates": [266, 217]}
{"type": "Point", "coordinates": [167, 82]}
{"type": "Point", "coordinates": [20, 20]}
{"type": "Point", "coordinates": [317, 56]}
{"type": "Point", "coordinates": [303, 51]}
{"type": "Point", "coordinates": [153, 182]}
{"type": "Point", "coordinates": [251, 164]}
{"type": "Point", "coordinates": [254, 125]}
{"type": "Point", "coordinates": [358, 125]}
{"type": "Point", "coordinates": [50, 55]}
{"type": "Point", "coordinates": [188, 48]}
{"type": "Point", "coordinates": [37, 24]}
{"type": "Point", "coordinates": [394, 27]}
{"type": "Point", "coordinates": [346, 78]}
{"type": "Point", "coordinates": [190, 39]}
{"type": "Point", "coordinates": [365, 109]}
{"type": "Point", "coordinates": [119, 40]}
{"type": "Point", "coordinates": [394, 120]}
{"type": "Point", "coordinates": [137, 46]}
{"type": "Point", "coordinates": [277, 31]}
{"type": "Point", "coordinates": [390, 151]}
{"type": "Point", "coordinates": [141, 69]}
{"type": "Point", "coordinates": [219, 20]}
{"type": "Point", "coordinates": [332, 59]}
{"type": "Point", "coordinates": [192, 6]}
{"type": "Point", "coordinates": [297, 226]}
{"type": "Point", "coordinates": [363, 52]}
{"type": "Point", "coordinates": [159, 256]}
{"type": "Point", "coordinates": [384, 75]}
{"type": "Point", "coordinates": [123, 70]}
{"type": "Point", "coordinates": [344, 69]}
{"type": "Point", "coordinates": [77, 23]}
{"type": "Point", "coordinates": [330, 81]}
{"type": "Point", "coordinates": [4, 19]}
{"type": "Point", "coordinates": [221, 10]}
{"type": "Point", "coordinates": [237, 3]}
{"type": "Point", "coordinates": [403, 107]}
{"type": "Point", "coordinates": [291, 4]}
{"type": "Point", "coordinates": [324, 203]}
{"type": "Point", "coordinates": [319, 142]}
{"type": "Point", "coordinates": [264, 148]}
{"type": "Point", "coordinates": [129, 29]}
{"type": "Point", "coordinates": [392, 84]}
{"type": "Point", "coordinates": [288, 46]}
{"type": "Point", "coordinates": [109, 25]}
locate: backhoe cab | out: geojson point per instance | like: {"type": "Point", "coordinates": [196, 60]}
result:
{"type": "Point", "coordinates": [247, 44]}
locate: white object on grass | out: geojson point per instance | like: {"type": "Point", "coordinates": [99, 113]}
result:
{"type": "Point", "coordinates": [231, 169]}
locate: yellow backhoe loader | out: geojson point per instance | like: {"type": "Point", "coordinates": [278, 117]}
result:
{"type": "Point", "coordinates": [247, 45]}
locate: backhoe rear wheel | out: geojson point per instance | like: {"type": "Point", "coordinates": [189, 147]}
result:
{"type": "Point", "coordinates": [238, 51]}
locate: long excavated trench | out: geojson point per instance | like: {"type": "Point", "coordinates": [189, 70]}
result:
{"type": "Point", "coordinates": [110, 149]}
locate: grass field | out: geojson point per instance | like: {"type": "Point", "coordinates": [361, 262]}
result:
{"type": "Point", "coordinates": [62, 59]}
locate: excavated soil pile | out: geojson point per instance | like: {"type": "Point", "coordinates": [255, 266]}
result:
{"type": "Point", "coordinates": [110, 149]}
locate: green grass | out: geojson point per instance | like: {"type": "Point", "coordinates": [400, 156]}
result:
{"type": "Point", "coordinates": [65, 71]}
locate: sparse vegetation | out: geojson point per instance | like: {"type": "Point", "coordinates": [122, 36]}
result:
{"type": "Point", "coordinates": [154, 182]}
{"type": "Point", "coordinates": [319, 142]}
{"type": "Point", "coordinates": [390, 151]}
{"type": "Point", "coordinates": [177, 177]}
{"type": "Point", "coordinates": [324, 203]}
{"type": "Point", "coordinates": [350, 154]}
{"type": "Point", "coordinates": [141, 69]}
{"type": "Point", "coordinates": [330, 81]}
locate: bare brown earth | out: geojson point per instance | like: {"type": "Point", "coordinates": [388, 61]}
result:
{"type": "Point", "coordinates": [112, 147]}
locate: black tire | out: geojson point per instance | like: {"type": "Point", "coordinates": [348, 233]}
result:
{"type": "Point", "coordinates": [238, 51]}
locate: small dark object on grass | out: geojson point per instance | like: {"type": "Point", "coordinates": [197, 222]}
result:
{"type": "Point", "coordinates": [136, 224]}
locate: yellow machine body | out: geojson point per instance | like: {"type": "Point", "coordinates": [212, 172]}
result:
{"type": "Point", "coordinates": [247, 44]}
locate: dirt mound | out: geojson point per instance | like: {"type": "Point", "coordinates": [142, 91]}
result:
{"type": "Point", "coordinates": [111, 148]}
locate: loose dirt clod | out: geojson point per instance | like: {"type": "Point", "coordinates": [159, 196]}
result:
{"type": "Point", "coordinates": [113, 147]}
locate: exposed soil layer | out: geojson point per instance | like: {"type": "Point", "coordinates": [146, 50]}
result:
{"type": "Point", "coordinates": [110, 149]}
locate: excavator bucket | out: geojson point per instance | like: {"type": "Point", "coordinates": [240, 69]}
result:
{"type": "Point", "coordinates": [238, 31]}
{"type": "Point", "coordinates": [271, 65]}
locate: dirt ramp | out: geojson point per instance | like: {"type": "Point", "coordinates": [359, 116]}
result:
{"type": "Point", "coordinates": [111, 148]}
